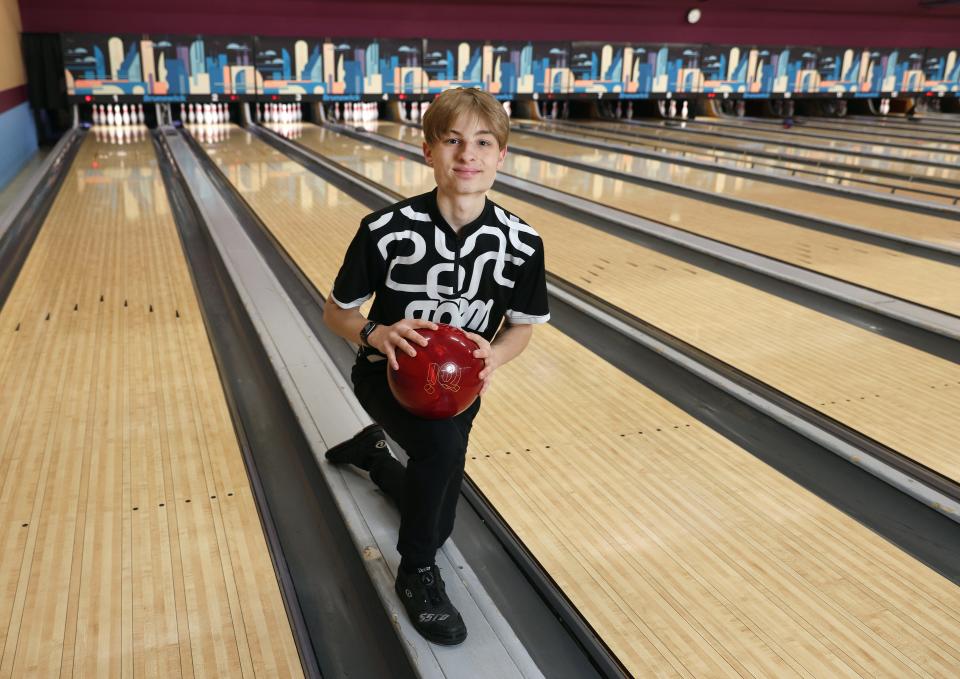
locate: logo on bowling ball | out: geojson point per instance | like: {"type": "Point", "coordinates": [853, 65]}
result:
{"type": "Point", "coordinates": [443, 379]}
{"type": "Point", "coordinates": [446, 376]}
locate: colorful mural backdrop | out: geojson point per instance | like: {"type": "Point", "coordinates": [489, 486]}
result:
{"type": "Point", "coordinates": [103, 65]}
{"type": "Point", "coordinates": [512, 69]}
{"type": "Point", "coordinates": [289, 66]}
{"type": "Point", "coordinates": [161, 66]}
{"type": "Point", "coordinates": [177, 65]}
{"type": "Point", "coordinates": [550, 71]}
{"type": "Point", "coordinates": [724, 69]}
{"type": "Point", "coordinates": [890, 70]}
{"type": "Point", "coordinates": [449, 63]}
{"type": "Point", "coordinates": [597, 67]}
{"type": "Point", "coordinates": [401, 63]}
{"type": "Point", "coordinates": [781, 70]}
{"type": "Point", "coordinates": [941, 70]}
{"type": "Point", "coordinates": [658, 69]}
{"type": "Point", "coordinates": [839, 69]}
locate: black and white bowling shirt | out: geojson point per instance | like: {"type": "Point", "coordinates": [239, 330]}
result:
{"type": "Point", "coordinates": [417, 266]}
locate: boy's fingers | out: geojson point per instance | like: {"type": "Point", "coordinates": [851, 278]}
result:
{"type": "Point", "coordinates": [391, 357]}
{"type": "Point", "coordinates": [407, 347]}
{"type": "Point", "coordinates": [418, 338]}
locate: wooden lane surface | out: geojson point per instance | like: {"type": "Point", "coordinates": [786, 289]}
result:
{"type": "Point", "coordinates": [131, 545]}
{"type": "Point", "coordinates": [690, 557]}
{"type": "Point", "coordinates": [913, 278]}
{"type": "Point", "coordinates": [885, 219]}
{"type": "Point", "coordinates": [898, 395]}
{"type": "Point", "coordinates": [744, 159]}
{"type": "Point", "coordinates": [920, 151]}
{"type": "Point", "coordinates": [902, 134]}
{"type": "Point", "coordinates": [693, 133]}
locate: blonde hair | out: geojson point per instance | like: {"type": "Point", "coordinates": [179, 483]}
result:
{"type": "Point", "coordinates": [451, 104]}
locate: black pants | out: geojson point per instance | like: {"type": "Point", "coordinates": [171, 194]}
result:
{"type": "Point", "coordinates": [426, 490]}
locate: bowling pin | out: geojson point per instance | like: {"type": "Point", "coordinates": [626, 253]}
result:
{"type": "Point", "coordinates": [685, 110]}
{"type": "Point", "coordinates": [553, 111]}
{"type": "Point", "coordinates": [110, 117]}
{"type": "Point", "coordinates": [125, 116]}
{"type": "Point", "coordinates": [619, 109]}
{"type": "Point", "coordinates": [96, 116]}
{"type": "Point", "coordinates": [673, 108]}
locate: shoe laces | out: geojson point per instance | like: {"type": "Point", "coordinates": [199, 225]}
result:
{"type": "Point", "coordinates": [433, 585]}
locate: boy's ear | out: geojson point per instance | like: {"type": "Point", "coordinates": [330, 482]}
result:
{"type": "Point", "coordinates": [503, 154]}
{"type": "Point", "coordinates": [427, 154]}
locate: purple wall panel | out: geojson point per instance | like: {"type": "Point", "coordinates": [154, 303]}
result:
{"type": "Point", "coordinates": [894, 23]}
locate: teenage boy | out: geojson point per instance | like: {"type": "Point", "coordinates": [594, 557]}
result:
{"type": "Point", "coordinates": [449, 256]}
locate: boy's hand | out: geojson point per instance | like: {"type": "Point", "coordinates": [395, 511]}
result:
{"type": "Point", "coordinates": [489, 356]}
{"type": "Point", "coordinates": [388, 338]}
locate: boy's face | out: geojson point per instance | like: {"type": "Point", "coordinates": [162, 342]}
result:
{"type": "Point", "coordinates": [466, 158]}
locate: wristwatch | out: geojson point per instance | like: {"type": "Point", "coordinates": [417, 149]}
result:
{"type": "Point", "coordinates": [366, 331]}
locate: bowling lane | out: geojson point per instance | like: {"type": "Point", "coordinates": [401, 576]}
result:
{"type": "Point", "coordinates": [694, 134]}
{"type": "Point", "coordinates": [906, 276]}
{"type": "Point", "coordinates": [922, 151]}
{"type": "Point", "coordinates": [876, 129]}
{"type": "Point", "coordinates": [731, 156]}
{"type": "Point", "coordinates": [593, 471]}
{"type": "Point", "coordinates": [797, 350]}
{"type": "Point", "coordinates": [836, 208]}
{"type": "Point", "coordinates": [132, 543]}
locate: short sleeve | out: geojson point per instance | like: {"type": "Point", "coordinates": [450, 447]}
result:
{"type": "Point", "coordinates": [361, 272]}
{"type": "Point", "coordinates": [528, 304]}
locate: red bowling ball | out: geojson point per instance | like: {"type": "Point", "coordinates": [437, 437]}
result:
{"type": "Point", "coordinates": [443, 379]}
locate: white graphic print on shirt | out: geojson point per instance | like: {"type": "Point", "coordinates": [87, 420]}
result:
{"type": "Point", "coordinates": [419, 268]}
{"type": "Point", "coordinates": [464, 312]}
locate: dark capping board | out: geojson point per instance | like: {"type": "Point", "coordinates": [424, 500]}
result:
{"type": "Point", "coordinates": [924, 533]}
{"type": "Point", "coordinates": [918, 338]}
{"type": "Point", "coordinates": [801, 160]}
{"type": "Point", "coordinates": [549, 641]}
{"type": "Point", "coordinates": [894, 132]}
{"type": "Point", "coordinates": [669, 125]}
{"type": "Point", "coordinates": [17, 242]}
{"type": "Point", "coordinates": [812, 223]}
{"type": "Point", "coordinates": [335, 614]}
{"type": "Point", "coordinates": [753, 174]}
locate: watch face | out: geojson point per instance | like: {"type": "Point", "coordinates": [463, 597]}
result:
{"type": "Point", "coordinates": [693, 16]}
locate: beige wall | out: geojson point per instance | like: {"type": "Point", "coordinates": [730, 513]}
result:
{"type": "Point", "coordinates": [12, 73]}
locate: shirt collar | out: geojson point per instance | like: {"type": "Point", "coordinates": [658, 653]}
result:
{"type": "Point", "coordinates": [434, 211]}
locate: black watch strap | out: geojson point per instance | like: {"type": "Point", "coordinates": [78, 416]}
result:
{"type": "Point", "coordinates": [365, 332]}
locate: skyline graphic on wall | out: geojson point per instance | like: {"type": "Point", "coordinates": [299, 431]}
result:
{"type": "Point", "coordinates": [196, 65]}
{"type": "Point", "coordinates": [103, 65]}
{"type": "Point", "coordinates": [350, 68]}
{"type": "Point", "coordinates": [941, 71]}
